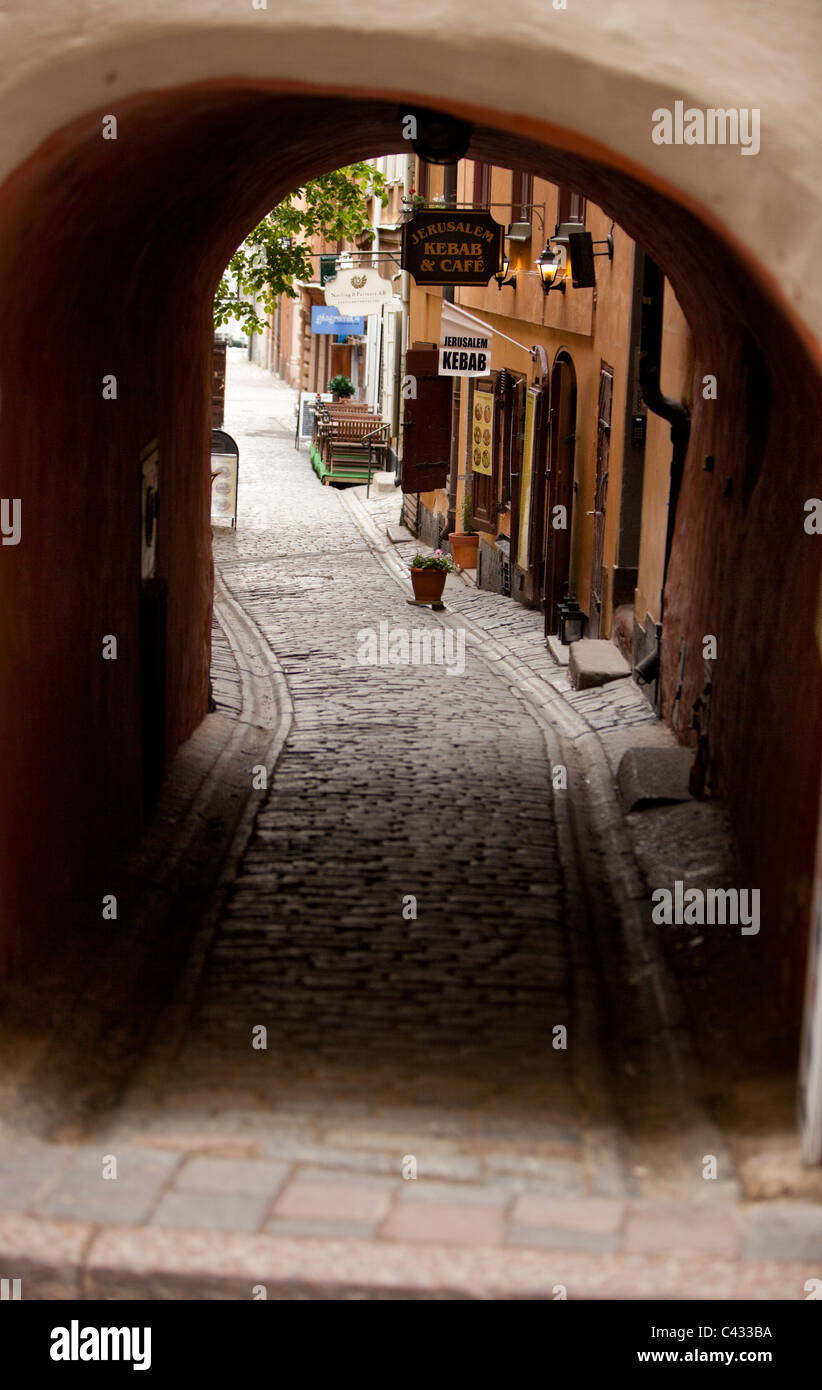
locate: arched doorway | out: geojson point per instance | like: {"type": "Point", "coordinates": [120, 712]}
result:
{"type": "Point", "coordinates": [558, 518]}
{"type": "Point", "coordinates": [146, 225]}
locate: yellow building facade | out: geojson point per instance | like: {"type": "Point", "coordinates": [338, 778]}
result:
{"type": "Point", "coordinates": [577, 498]}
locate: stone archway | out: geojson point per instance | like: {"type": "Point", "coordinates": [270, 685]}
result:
{"type": "Point", "coordinates": [113, 260]}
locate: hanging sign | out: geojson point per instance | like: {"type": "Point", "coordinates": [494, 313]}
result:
{"type": "Point", "coordinates": [464, 354]}
{"type": "Point", "coordinates": [358, 291]}
{"type": "Point", "coordinates": [332, 321]}
{"type": "Point", "coordinates": [465, 343]}
{"type": "Point", "coordinates": [482, 431]}
{"type": "Point", "coordinates": [452, 248]}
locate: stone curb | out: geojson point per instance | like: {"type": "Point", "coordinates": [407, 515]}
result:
{"type": "Point", "coordinates": [70, 1261]}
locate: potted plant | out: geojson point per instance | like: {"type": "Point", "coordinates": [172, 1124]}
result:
{"type": "Point", "coordinates": [428, 575]}
{"type": "Point", "coordinates": [340, 387]}
{"type": "Point", "coordinates": [465, 543]}
{"type": "Point", "coordinates": [413, 201]}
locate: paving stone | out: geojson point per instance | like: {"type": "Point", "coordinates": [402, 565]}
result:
{"type": "Point", "coordinates": [416, 1190]}
{"type": "Point", "coordinates": [227, 1211]}
{"type": "Point", "coordinates": [785, 1231]}
{"type": "Point", "coordinates": [445, 1222]}
{"type": "Point", "coordinates": [221, 1176]}
{"type": "Point", "coordinates": [83, 1194]}
{"type": "Point", "coordinates": [319, 1194]}
{"type": "Point", "coordinates": [26, 1174]}
{"type": "Point", "coordinates": [683, 1228]}
{"type": "Point", "coordinates": [566, 1223]}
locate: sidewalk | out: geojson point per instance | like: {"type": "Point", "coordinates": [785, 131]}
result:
{"type": "Point", "coordinates": [394, 1043]}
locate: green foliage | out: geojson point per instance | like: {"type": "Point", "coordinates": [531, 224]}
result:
{"type": "Point", "coordinates": [341, 386]}
{"type": "Point", "coordinates": [277, 253]}
{"type": "Point", "coordinates": [437, 561]}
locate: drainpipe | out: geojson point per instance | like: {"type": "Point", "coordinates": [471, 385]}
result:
{"type": "Point", "coordinates": [376, 337]}
{"type": "Point", "coordinates": [679, 418]}
{"type": "Point", "coordinates": [449, 189]}
{"type": "Point", "coordinates": [405, 292]}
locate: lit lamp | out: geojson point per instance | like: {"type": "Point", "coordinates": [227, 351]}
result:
{"type": "Point", "coordinates": [500, 276]}
{"type": "Point", "coordinates": [551, 270]}
{"type": "Point", "coordinates": [571, 621]}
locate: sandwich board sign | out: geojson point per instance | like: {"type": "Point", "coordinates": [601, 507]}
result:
{"type": "Point", "coordinates": [305, 413]}
{"type": "Point", "coordinates": [225, 462]}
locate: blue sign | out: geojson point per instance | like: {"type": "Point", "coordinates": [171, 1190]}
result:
{"type": "Point", "coordinates": [328, 319]}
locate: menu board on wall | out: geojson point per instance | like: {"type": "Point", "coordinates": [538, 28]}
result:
{"type": "Point", "coordinates": [482, 431]}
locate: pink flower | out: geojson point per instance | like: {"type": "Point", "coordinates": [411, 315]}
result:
{"type": "Point", "coordinates": [437, 552]}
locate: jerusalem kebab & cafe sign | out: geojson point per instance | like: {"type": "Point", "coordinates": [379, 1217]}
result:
{"type": "Point", "coordinates": [445, 247]}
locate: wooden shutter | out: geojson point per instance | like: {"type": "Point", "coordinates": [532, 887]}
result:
{"type": "Point", "coordinates": [522, 191]}
{"type": "Point", "coordinates": [426, 424]}
{"type": "Point", "coordinates": [482, 183]}
{"type": "Point", "coordinates": [570, 206]}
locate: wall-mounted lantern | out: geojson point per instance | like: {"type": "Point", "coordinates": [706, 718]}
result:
{"type": "Point", "coordinates": [437, 138]}
{"type": "Point", "coordinates": [551, 270]}
{"type": "Point", "coordinates": [501, 275]}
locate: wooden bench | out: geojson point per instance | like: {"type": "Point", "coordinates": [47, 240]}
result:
{"type": "Point", "coordinates": [348, 443]}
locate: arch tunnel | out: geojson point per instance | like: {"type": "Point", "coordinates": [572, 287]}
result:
{"type": "Point", "coordinates": [109, 255]}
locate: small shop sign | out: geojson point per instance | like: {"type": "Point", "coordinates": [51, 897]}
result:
{"type": "Point", "coordinates": [482, 431]}
{"type": "Point", "coordinates": [456, 248]}
{"type": "Point", "coordinates": [225, 463]}
{"type": "Point", "coordinates": [330, 320]}
{"type": "Point", "coordinates": [465, 355]}
{"type": "Point", "coordinates": [359, 291]}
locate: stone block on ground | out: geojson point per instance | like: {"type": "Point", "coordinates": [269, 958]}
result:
{"type": "Point", "coordinates": [595, 661]}
{"type": "Point", "coordinates": [398, 535]}
{"type": "Point", "coordinates": [654, 776]}
{"type": "Point", "coordinates": [559, 650]}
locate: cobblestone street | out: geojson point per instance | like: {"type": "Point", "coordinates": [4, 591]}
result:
{"type": "Point", "coordinates": [440, 1105]}
{"type": "Point", "coordinates": [422, 1030]}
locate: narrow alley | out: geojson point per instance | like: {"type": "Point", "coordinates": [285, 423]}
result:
{"type": "Point", "coordinates": [400, 1053]}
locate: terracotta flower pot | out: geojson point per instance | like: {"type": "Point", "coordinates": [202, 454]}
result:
{"type": "Point", "coordinates": [428, 585]}
{"type": "Point", "coordinates": [464, 549]}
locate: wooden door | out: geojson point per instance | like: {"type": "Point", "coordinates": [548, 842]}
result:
{"type": "Point", "coordinates": [606, 392]}
{"type": "Point", "coordinates": [559, 490]}
{"type": "Point", "coordinates": [426, 424]}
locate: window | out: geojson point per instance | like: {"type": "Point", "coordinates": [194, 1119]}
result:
{"type": "Point", "coordinates": [571, 206]}
{"type": "Point", "coordinates": [482, 184]}
{"type": "Point", "coordinates": [522, 192]}
{"type": "Point", "coordinates": [423, 170]}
